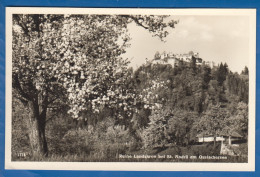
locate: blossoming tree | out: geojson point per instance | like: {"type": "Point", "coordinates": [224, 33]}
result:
{"type": "Point", "coordinates": [74, 58]}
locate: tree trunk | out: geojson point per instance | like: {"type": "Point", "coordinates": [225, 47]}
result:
{"type": "Point", "coordinates": [36, 127]}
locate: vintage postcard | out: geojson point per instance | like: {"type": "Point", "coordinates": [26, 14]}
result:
{"type": "Point", "coordinates": [130, 89]}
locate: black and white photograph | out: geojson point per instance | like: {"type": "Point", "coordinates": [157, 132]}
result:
{"type": "Point", "coordinates": [117, 89]}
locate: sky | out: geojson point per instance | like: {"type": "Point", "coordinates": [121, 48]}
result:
{"type": "Point", "coordinates": [217, 38]}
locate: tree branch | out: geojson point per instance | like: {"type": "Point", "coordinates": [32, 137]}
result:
{"type": "Point", "coordinates": [18, 20]}
{"type": "Point", "coordinates": [135, 20]}
{"type": "Point", "coordinates": [17, 85]}
{"type": "Point", "coordinates": [23, 100]}
{"type": "Point", "coordinates": [51, 101]}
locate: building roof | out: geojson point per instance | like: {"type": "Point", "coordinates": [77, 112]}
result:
{"type": "Point", "coordinates": [203, 135]}
{"type": "Point", "coordinates": [232, 134]}
{"type": "Point", "coordinates": [235, 134]}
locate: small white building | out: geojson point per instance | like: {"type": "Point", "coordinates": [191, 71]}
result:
{"type": "Point", "coordinates": [228, 138]}
{"type": "Point", "coordinates": [209, 138]}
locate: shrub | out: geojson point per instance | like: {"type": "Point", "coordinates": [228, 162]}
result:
{"type": "Point", "coordinates": [111, 139]}
{"type": "Point", "coordinates": [101, 143]}
{"type": "Point", "coordinates": [76, 141]}
{"type": "Point", "coordinates": [155, 134]}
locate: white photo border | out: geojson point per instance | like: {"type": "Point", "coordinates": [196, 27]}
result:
{"type": "Point", "coordinates": [133, 166]}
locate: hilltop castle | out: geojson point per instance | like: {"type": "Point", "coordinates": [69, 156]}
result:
{"type": "Point", "coordinates": [175, 59]}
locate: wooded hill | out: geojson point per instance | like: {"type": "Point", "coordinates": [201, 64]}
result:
{"type": "Point", "coordinates": [193, 99]}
